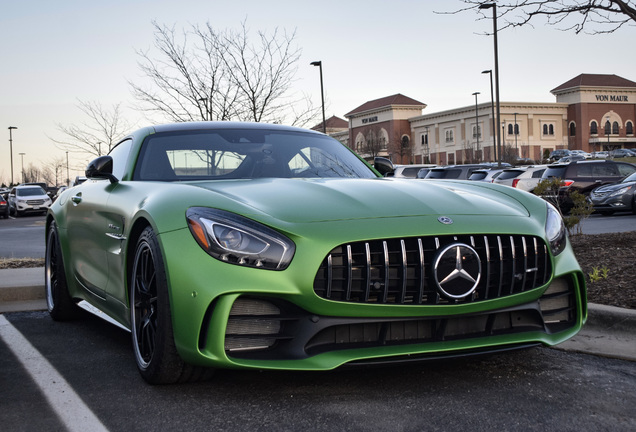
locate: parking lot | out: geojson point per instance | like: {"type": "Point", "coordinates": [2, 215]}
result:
{"type": "Point", "coordinates": [536, 389]}
{"type": "Point", "coordinates": [81, 376]}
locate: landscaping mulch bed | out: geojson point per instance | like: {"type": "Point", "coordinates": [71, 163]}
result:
{"type": "Point", "coordinates": [616, 253]}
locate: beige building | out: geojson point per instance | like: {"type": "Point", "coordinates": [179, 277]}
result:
{"type": "Point", "coordinates": [592, 112]}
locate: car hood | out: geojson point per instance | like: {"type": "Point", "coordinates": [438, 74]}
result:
{"type": "Point", "coordinates": [613, 187]}
{"type": "Point", "coordinates": [312, 200]}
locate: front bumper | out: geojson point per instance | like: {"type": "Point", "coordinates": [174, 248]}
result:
{"type": "Point", "coordinates": [287, 326]}
{"type": "Point", "coordinates": [612, 203]}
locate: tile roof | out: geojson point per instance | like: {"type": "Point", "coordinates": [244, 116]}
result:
{"type": "Point", "coordinates": [333, 122]}
{"type": "Point", "coordinates": [594, 80]}
{"type": "Point", "coordinates": [396, 99]}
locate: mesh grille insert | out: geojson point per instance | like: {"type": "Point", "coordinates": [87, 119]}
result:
{"type": "Point", "coordinates": [400, 271]}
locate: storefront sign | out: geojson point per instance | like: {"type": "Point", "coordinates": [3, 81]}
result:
{"type": "Point", "coordinates": [370, 119]}
{"type": "Point", "coordinates": [611, 98]}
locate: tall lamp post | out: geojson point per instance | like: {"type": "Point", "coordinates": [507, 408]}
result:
{"type": "Point", "coordinates": [22, 156]}
{"type": "Point", "coordinates": [494, 31]}
{"type": "Point", "coordinates": [11, 149]}
{"type": "Point", "coordinates": [476, 123]}
{"type": "Point", "coordinates": [322, 95]}
{"type": "Point", "coordinates": [494, 120]}
{"type": "Point", "coordinates": [516, 131]}
{"type": "Point", "coordinates": [609, 131]}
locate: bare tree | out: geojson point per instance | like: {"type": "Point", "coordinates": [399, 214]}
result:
{"type": "Point", "coordinates": [591, 16]}
{"type": "Point", "coordinates": [204, 74]}
{"type": "Point", "coordinates": [103, 129]}
{"type": "Point", "coordinates": [374, 144]}
{"type": "Point", "coordinates": [53, 172]}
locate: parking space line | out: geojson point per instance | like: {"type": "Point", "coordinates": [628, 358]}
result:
{"type": "Point", "coordinates": [66, 403]}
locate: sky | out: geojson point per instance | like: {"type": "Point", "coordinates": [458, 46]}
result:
{"type": "Point", "coordinates": [55, 54]}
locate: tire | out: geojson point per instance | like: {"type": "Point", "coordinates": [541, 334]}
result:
{"type": "Point", "coordinates": [59, 303]}
{"type": "Point", "coordinates": [151, 320]}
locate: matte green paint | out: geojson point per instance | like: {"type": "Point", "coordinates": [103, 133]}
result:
{"type": "Point", "coordinates": [317, 215]}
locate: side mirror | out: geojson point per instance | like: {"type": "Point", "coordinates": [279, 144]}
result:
{"type": "Point", "coordinates": [383, 165]}
{"type": "Point", "coordinates": [101, 168]}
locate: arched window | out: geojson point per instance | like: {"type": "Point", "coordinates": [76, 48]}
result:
{"type": "Point", "coordinates": [516, 129]}
{"type": "Point", "coordinates": [551, 129]}
{"type": "Point", "coordinates": [572, 129]}
{"type": "Point", "coordinates": [607, 127]}
{"type": "Point", "coordinates": [510, 130]}
{"type": "Point", "coordinates": [545, 129]}
{"type": "Point", "coordinates": [615, 128]}
{"type": "Point", "coordinates": [629, 128]}
{"type": "Point", "coordinates": [593, 128]}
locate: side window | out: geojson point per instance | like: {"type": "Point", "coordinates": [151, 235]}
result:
{"type": "Point", "coordinates": [605, 170]}
{"type": "Point", "coordinates": [584, 170]}
{"type": "Point", "coordinates": [120, 156]}
{"type": "Point", "coordinates": [626, 169]}
{"type": "Point", "coordinates": [537, 174]}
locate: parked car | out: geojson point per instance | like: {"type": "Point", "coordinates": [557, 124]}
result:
{"type": "Point", "coordinates": [459, 172]}
{"type": "Point", "coordinates": [4, 207]}
{"type": "Point", "coordinates": [600, 155]}
{"type": "Point", "coordinates": [621, 153]}
{"type": "Point", "coordinates": [408, 171]}
{"type": "Point", "coordinates": [615, 197]}
{"type": "Point", "coordinates": [508, 175]}
{"type": "Point", "coordinates": [583, 176]}
{"type": "Point", "coordinates": [585, 154]}
{"type": "Point", "coordinates": [529, 178]}
{"type": "Point", "coordinates": [571, 158]}
{"type": "Point", "coordinates": [485, 175]}
{"type": "Point", "coordinates": [558, 154]}
{"type": "Point", "coordinates": [245, 245]}
{"type": "Point", "coordinates": [28, 199]}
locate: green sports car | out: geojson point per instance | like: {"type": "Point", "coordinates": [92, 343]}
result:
{"type": "Point", "coordinates": [246, 245]}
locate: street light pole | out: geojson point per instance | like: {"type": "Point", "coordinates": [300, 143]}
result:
{"type": "Point", "coordinates": [68, 179]}
{"type": "Point", "coordinates": [494, 26]}
{"type": "Point", "coordinates": [322, 95]}
{"type": "Point", "coordinates": [516, 131]}
{"type": "Point", "coordinates": [11, 150]}
{"type": "Point", "coordinates": [476, 123]}
{"type": "Point", "coordinates": [609, 131]}
{"type": "Point", "coordinates": [492, 109]}
{"type": "Point", "coordinates": [22, 156]}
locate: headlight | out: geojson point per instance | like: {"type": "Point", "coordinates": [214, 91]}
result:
{"type": "Point", "coordinates": [555, 230]}
{"type": "Point", "coordinates": [621, 191]}
{"type": "Point", "coordinates": [238, 240]}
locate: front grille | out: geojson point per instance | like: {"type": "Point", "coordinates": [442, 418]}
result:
{"type": "Point", "coordinates": [35, 202]}
{"type": "Point", "coordinates": [400, 271]}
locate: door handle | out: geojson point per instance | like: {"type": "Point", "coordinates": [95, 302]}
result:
{"type": "Point", "coordinates": [77, 199]}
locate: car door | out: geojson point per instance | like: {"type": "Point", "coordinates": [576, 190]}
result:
{"type": "Point", "coordinates": [90, 226]}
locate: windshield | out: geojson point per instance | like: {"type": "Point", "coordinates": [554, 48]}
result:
{"type": "Point", "coordinates": [245, 154]}
{"type": "Point", "coordinates": [30, 191]}
{"type": "Point", "coordinates": [630, 178]}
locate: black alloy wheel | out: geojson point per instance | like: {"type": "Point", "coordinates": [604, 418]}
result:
{"type": "Point", "coordinates": [151, 321]}
{"type": "Point", "coordinates": [59, 303]}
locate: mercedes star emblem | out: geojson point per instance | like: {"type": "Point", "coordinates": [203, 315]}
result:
{"type": "Point", "coordinates": [457, 270]}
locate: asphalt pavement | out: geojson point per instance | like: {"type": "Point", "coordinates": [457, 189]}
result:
{"type": "Point", "coordinates": [609, 331]}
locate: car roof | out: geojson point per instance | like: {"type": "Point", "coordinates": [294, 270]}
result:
{"type": "Point", "coordinates": [212, 125]}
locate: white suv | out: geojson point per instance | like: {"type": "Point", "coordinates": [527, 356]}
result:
{"type": "Point", "coordinates": [28, 199]}
{"type": "Point", "coordinates": [524, 178]}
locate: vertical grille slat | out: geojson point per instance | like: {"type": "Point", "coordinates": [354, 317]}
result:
{"type": "Point", "coordinates": [400, 271]}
